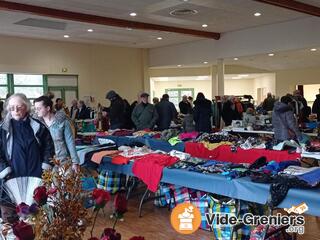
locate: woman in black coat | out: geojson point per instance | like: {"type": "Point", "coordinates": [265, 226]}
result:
{"type": "Point", "coordinates": [202, 113]}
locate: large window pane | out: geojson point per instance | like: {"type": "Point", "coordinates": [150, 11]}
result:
{"type": "Point", "coordinates": [3, 92]}
{"type": "Point", "coordinates": [30, 92]}
{"type": "Point", "coordinates": [3, 79]}
{"type": "Point", "coordinates": [175, 101]}
{"type": "Point", "coordinates": [173, 93]}
{"type": "Point", "coordinates": [62, 80]}
{"type": "Point", "coordinates": [22, 79]}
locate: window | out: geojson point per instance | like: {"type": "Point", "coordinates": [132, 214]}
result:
{"type": "Point", "coordinates": [3, 86]}
{"type": "Point", "coordinates": [31, 85]}
{"type": "Point", "coordinates": [175, 94]}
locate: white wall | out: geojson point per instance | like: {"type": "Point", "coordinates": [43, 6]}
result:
{"type": "Point", "coordinates": [286, 80]}
{"type": "Point", "coordinates": [310, 92]}
{"type": "Point", "coordinates": [100, 68]}
{"type": "Point", "coordinates": [239, 86]}
{"type": "Point", "coordinates": [198, 86]}
{"type": "Point", "coordinates": [267, 82]}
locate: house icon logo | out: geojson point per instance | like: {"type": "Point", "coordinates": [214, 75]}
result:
{"type": "Point", "coordinates": [185, 218]}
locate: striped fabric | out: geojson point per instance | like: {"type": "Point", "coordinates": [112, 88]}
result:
{"type": "Point", "coordinates": [203, 204]}
{"type": "Point", "coordinates": [223, 232]}
{"type": "Point", "coordinates": [109, 181]}
{"type": "Point", "coordinates": [160, 194]}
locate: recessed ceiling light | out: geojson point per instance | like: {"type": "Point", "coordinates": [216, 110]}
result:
{"type": "Point", "coordinates": [313, 49]}
{"type": "Point", "coordinates": [133, 14]}
{"type": "Point", "coordinates": [159, 38]}
{"type": "Point", "coordinates": [236, 59]}
{"type": "Point", "coordinates": [90, 30]}
{"type": "Point", "coordinates": [271, 54]}
{"type": "Point", "coordinates": [257, 14]}
{"type": "Point", "coordinates": [243, 75]}
{"type": "Point", "coordinates": [205, 62]}
{"type": "Point", "coordinates": [179, 65]}
{"type": "Point", "coordinates": [204, 25]}
{"type": "Point", "coordinates": [66, 36]}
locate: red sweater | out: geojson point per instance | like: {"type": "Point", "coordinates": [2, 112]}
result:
{"type": "Point", "coordinates": [149, 168]}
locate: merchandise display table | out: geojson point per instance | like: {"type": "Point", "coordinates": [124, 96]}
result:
{"type": "Point", "coordinates": [241, 188]}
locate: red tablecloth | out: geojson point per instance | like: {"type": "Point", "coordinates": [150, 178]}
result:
{"type": "Point", "coordinates": [223, 153]}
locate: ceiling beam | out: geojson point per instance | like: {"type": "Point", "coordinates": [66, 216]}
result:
{"type": "Point", "coordinates": [294, 5]}
{"type": "Point", "coordinates": [93, 19]}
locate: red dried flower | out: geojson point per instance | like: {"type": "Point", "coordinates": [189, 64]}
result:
{"type": "Point", "coordinates": [110, 234]}
{"type": "Point", "coordinates": [137, 238]}
{"type": "Point", "coordinates": [52, 191]}
{"type": "Point", "coordinates": [23, 231]}
{"type": "Point", "coordinates": [33, 209]}
{"type": "Point", "coordinates": [101, 197]}
{"type": "Point", "coordinates": [120, 202]}
{"type": "Point", "coordinates": [23, 210]}
{"type": "Point", "coordinates": [40, 195]}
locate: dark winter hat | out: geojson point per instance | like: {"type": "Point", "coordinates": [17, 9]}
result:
{"type": "Point", "coordinates": [144, 94]}
{"type": "Point", "coordinates": [111, 94]}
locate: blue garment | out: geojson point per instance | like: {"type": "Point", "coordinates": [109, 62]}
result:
{"type": "Point", "coordinates": [275, 167]}
{"type": "Point", "coordinates": [312, 178]}
{"type": "Point", "coordinates": [26, 159]}
{"type": "Point", "coordinates": [62, 135]}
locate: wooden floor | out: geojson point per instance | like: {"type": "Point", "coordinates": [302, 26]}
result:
{"type": "Point", "coordinates": [155, 225]}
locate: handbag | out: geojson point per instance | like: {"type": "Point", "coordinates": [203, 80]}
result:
{"type": "Point", "coordinates": [203, 204]}
{"type": "Point", "coordinates": [160, 195]}
{"type": "Point", "coordinates": [223, 206]}
{"type": "Point", "coordinates": [265, 232]}
{"type": "Point", "coordinates": [177, 194]}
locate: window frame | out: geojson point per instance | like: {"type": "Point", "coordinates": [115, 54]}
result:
{"type": "Point", "coordinates": [44, 84]}
{"type": "Point", "coordinates": [5, 85]}
{"type": "Point", "coordinates": [179, 92]}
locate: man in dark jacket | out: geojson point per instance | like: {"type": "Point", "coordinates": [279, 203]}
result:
{"type": "Point", "coordinates": [283, 121]}
{"type": "Point", "coordinates": [316, 106]}
{"type": "Point", "coordinates": [83, 112]}
{"type": "Point", "coordinates": [268, 103]}
{"type": "Point", "coordinates": [26, 146]}
{"type": "Point", "coordinates": [229, 111]}
{"type": "Point", "coordinates": [166, 111]}
{"type": "Point", "coordinates": [301, 107]}
{"type": "Point", "coordinates": [184, 106]}
{"type": "Point", "coordinates": [202, 114]}
{"type": "Point", "coordinates": [116, 110]}
{"type": "Point", "coordinates": [144, 115]}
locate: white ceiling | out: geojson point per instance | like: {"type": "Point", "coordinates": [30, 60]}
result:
{"type": "Point", "coordinates": [220, 15]}
{"type": "Point", "coordinates": [302, 58]}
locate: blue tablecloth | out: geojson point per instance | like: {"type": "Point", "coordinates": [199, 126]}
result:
{"type": "Point", "coordinates": [241, 188]}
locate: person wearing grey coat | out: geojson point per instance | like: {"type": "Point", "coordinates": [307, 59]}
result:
{"type": "Point", "coordinates": [284, 122]}
{"type": "Point", "coordinates": [144, 115]}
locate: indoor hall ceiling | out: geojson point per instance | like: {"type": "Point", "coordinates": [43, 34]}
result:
{"type": "Point", "coordinates": [302, 58]}
{"type": "Point", "coordinates": [220, 15]}
{"type": "Point", "coordinates": [296, 59]}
